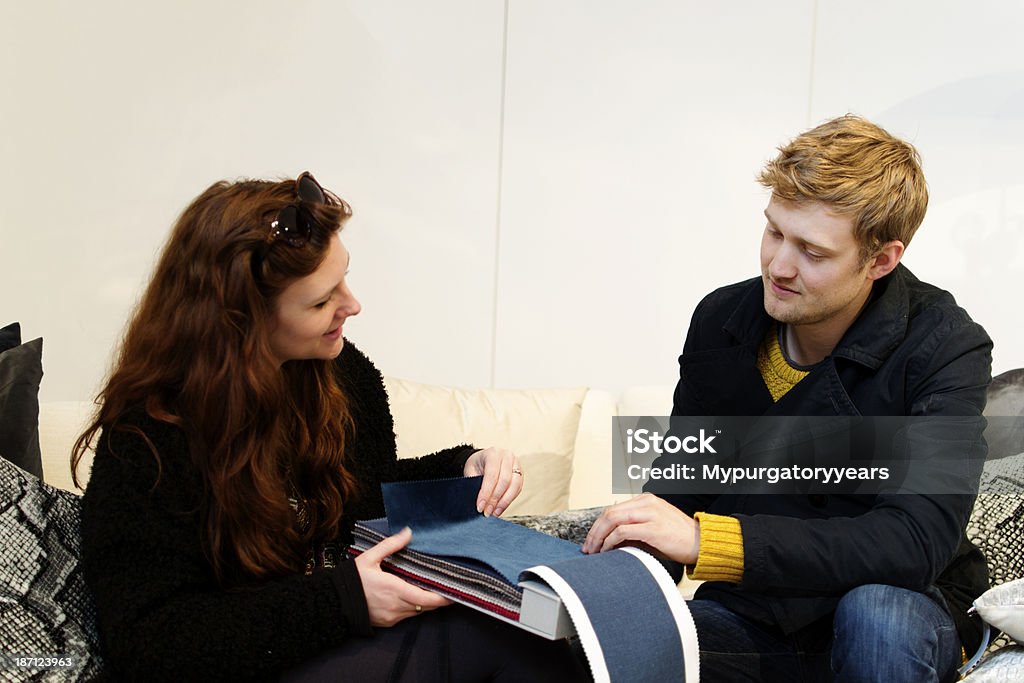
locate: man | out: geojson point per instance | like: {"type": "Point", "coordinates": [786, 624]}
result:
{"type": "Point", "coordinates": [823, 587]}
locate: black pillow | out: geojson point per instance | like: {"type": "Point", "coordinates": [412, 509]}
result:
{"type": "Point", "coordinates": [21, 370]}
{"type": "Point", "coordinates": [10, 336]}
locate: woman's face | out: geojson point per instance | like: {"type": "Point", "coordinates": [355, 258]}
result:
{"type": "Point", "coordinates": [310, 312]}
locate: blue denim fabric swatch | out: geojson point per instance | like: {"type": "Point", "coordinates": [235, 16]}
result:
{"type": "Point", "coordinates": [636, 630]}
{"type": "Point", "coordinates": [444, 521]}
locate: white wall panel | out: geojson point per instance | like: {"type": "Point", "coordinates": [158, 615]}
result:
{"type": "Point", "coordinates": [116, 114]}
{"type": "Point", "coordinates": [633, 132]}
{"type": "Point", "coordinates": [624, 138]}
{"type": "Point", "coordinates": [948, 76]}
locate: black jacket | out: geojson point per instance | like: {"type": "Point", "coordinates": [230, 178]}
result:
{"type": "Point", "coordinates": [161, 613]}
{"type": "Point", "coordinates": [911, 352]}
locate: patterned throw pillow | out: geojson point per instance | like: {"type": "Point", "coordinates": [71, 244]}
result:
{"type": "Point", "coordinates": [997, 522]}
{"type": "Point", "coordinates": [1004, 666]}
{"type": "Point", "coordinates": [996, 525]}
{"type": "Point", "coordinates": [45, 608]}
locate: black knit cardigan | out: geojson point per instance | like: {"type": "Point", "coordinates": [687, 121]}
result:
{"type": "Point", "coordinates": [161, 613]}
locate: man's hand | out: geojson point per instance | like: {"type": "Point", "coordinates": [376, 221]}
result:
{"type": "Point", "coordinates": [389, 599]}
{"type": "Point", "coordinates": [503, 479]}
{"type": "Point", "coordinates": [649, 521]}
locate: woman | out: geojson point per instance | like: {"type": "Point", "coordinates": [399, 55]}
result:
{"type": "Point", "coordinates": [237, 438]}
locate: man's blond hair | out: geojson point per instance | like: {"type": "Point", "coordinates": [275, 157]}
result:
{"type": "Point", "coordinates": [859, 170]}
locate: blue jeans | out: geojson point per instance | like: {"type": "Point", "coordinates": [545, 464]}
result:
{"type": "Point", "coordinates": [878, 633]}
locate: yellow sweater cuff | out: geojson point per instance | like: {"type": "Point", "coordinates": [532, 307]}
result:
{"type": "Point", "coordinates": [720, 557]}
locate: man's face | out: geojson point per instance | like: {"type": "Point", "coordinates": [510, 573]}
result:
{"type": "Point", "coordinates": [811, 266]}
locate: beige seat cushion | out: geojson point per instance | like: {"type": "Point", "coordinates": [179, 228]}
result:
{"type": "Point", "coordinates": [539, 425]}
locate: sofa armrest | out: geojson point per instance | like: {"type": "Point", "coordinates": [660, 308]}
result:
{"type": "Point", "coordinates": [591, 483]}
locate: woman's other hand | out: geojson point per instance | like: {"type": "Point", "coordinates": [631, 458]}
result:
{"type": "Point", "coordinates": [503, 479]}
{"type": "Point", "coordinates": [389, 599]}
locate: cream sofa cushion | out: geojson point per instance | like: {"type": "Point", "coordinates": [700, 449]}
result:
{"type": "Point", "coordinates": [60, 425]}
{"type": "Point", "coordinates": [539, 425]}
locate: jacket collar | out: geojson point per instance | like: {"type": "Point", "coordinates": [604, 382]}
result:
{"type": "Point", "coordinates": [874, 335]}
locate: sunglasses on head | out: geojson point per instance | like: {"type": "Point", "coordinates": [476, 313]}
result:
{"type": "Point", "coordinates": [294, 223]}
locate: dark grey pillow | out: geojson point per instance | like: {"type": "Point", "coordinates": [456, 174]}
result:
{"type": "Point", "coordinates": [1005, 413]}
{"type": "Point", "coordinates": [21, 370]}
{"type": "Point", "coordinates": [10, 336]}
{"type": "Point", "coordinates": [45, 608]}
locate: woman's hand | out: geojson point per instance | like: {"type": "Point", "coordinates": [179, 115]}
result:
{"type": "Point", "coordinates": [649, 522]}
{"type": "Point", "coordinates": [389, 599]}
{"type": "Point", "coordinates": [503, 479]}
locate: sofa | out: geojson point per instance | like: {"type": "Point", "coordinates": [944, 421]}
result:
{"type": "Point", "coordinates": [562, 436]}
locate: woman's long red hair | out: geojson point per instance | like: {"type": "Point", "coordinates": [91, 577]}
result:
{"type": "Point", "coordinates": [196, 355]}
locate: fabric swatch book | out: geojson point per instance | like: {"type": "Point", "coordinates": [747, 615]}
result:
{"type": "Point", "coordinates": [627, 612]}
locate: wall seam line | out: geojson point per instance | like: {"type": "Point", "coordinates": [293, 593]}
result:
{"type": "Point", "coordinates": [500, 181]}
{"type": "Point", "coordinates": [814, 50]}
